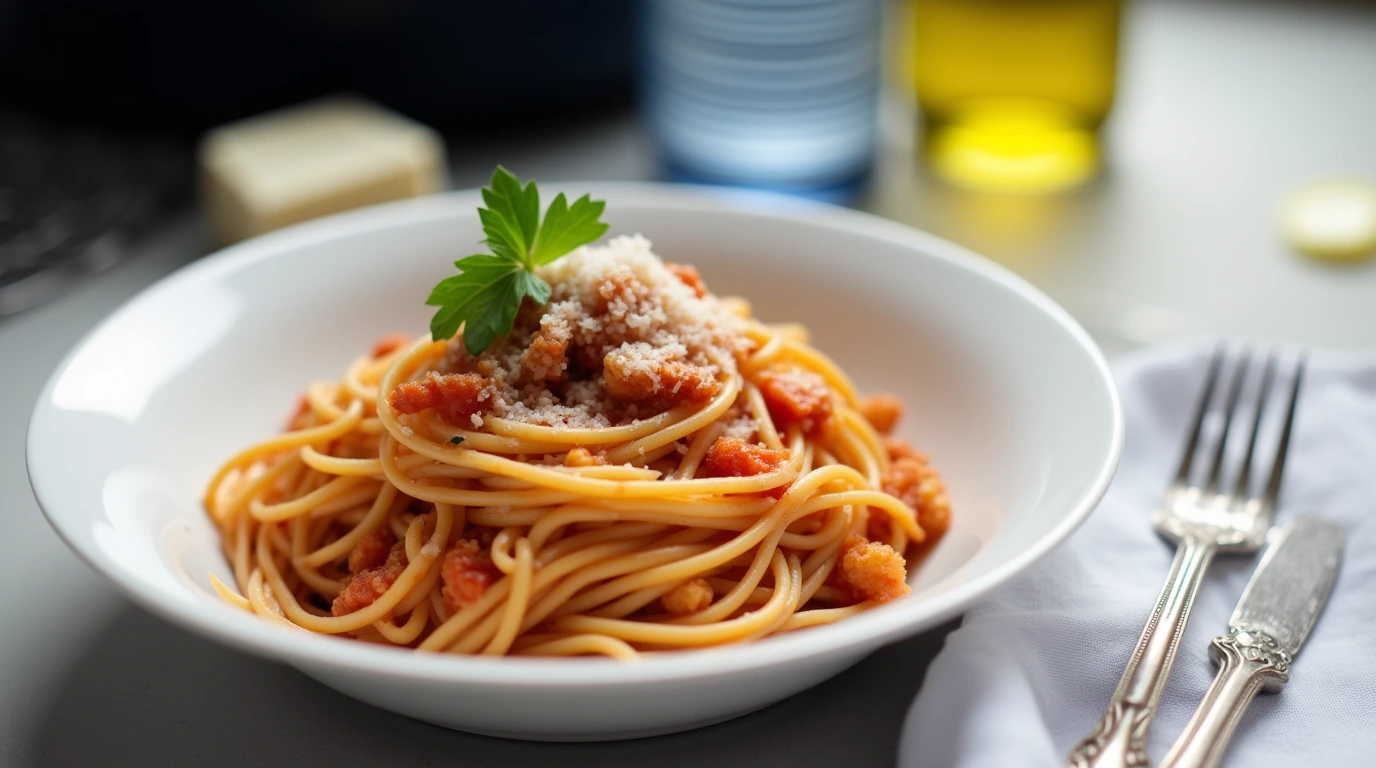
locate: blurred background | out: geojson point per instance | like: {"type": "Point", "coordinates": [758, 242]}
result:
{"type": "Point", "coordinates": [1160, 167]}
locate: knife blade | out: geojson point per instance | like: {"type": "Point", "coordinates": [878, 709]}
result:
{"type": "Point", "coordinates": [1279, 607]}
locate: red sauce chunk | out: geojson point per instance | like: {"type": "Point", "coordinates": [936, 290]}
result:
{"type": "Point", "coordinates": [660, 384]}
{"type": "Point", "coordinates": [367, 585]}
{"type": "Point", "coordinates": [899, 448]}
{"type": "Point", "coordinates": [796, 397]}
{"type": "Point", "coordinates": [688, 274]}
{"type": "Point", "coordinates": [466, 572]}
{"type": "Point", "coordinates": [882, 411]}
{"type": "Point", "coordinates": [457, 396]}
{"type": "Point", "coordinates": [371, 550]}
{"type": "Point", "coordinates": [873, 571]}
{"type": "Point", "coordinates": [913, 481]}
{"type": "Point", "coordinates": [733, 457]}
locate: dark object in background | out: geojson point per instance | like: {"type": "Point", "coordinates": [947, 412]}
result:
{"type": "Point", "coordinates": [101, 100]}
{"type": "Point", "coordinates": [455, 64]}
{"type": "Point", "coordinates": [72, 201]}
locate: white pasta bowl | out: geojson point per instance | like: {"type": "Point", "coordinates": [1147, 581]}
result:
{"type": "Point", "coordinates": [1007, 394]}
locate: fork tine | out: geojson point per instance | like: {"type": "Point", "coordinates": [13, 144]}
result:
{"type": "Point", "coordinates": [1230, 410]}
{"type": "Point", "coordinates": [1272, 493]}
{"type": "Point", "coordinates": [1244, 475]}
{"type": "Point", "coordinates": [1201, 408]}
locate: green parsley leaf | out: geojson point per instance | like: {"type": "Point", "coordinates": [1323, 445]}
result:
{"type": "Point", "coordinates": [485, 296]}
{"type": "Point", "coordinates": [512, 215]}
{"type": "Point", "coordinates": [501, 240]}
{"type": "Point", "coordinates": [482, 286]}
{"type": "Point", "coordinates": [456, 439]}
{"type": "Point", "coordinates": [566, 227]}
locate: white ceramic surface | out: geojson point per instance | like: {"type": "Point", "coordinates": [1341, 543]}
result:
{"type": "Point", "coordinates": [1006, 392]}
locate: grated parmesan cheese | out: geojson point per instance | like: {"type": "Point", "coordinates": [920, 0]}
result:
{"type": "Point", "coordinates": [741, 428]}
{"type": "Point", "coordinates": [616, 310]}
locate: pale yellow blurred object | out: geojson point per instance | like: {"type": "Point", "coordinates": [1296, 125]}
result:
{"type": "Point", "coordinates": [1333, 219]}
{"type": "Point", "coordinates": [318, 158]}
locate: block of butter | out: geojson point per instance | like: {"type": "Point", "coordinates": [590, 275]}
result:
{"type": "Point", "coordinates": [321, 157]}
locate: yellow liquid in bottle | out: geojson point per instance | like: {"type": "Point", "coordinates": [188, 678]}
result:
{"type": "Point", "coordinates": [1013, 91]}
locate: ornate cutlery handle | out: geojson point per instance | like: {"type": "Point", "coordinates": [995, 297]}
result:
{"type": "Point", "coordinates": [1248, 662]}
{"type": "Point", "coordinates": [1121, 737]}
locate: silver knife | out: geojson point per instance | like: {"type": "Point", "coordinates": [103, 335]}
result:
{"type": "Point", "coordinates": [1279, 607]}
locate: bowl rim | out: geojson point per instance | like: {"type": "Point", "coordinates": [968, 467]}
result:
{"type": "Point", "coordinates": [861, 633]}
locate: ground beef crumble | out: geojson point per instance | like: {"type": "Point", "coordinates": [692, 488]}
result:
{"type": "Point", "coordinates": [912, 480]}
{"type": "Point", "coordinates": [365, 586]}
{"type": "Point", "coordinates": [457, 396]}
{"type": "Point", "coordinates": [882, 411]}
{"type": "Point", "coordinates": [872, 570]}
{"type": "Point", "coordinates": [371, 550]}
{"type": "Point", "coordinates": [796, 396]}
{"type": "Point", "coordinates": [733, 457]}
{"type": "Point", "coordinates": [466, 572]}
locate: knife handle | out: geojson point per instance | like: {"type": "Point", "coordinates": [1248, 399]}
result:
{"type": "Point", "coordinates": [1249, 662]}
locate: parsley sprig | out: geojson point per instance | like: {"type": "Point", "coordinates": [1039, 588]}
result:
{"type": "Point", "coordinates": [489, 288]}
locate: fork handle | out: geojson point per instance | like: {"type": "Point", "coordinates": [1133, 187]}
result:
{"type": "Point", "coordinates": [1242, 673]}
{"type": "Point", "coordinates": [1121, 736]}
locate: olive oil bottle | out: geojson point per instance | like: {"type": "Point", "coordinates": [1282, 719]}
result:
{"type": "Point", "coordinates": [1013, 92]}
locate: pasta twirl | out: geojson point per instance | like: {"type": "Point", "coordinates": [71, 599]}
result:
{"type": "Point", "coordinates": [639, 467]}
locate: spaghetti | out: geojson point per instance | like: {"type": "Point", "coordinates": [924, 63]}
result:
{"type": "Point", "coordinates": [639, 466]}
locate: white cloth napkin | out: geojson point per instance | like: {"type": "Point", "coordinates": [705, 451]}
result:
{"type": "Point", "coordinates": [1032, 667]}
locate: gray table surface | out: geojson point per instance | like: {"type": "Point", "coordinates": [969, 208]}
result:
{"type": "Point", "coordinates": [1224, 108]}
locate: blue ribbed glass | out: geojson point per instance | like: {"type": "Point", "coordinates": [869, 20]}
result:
{"type": "Point", "coordinates": [780, 94]}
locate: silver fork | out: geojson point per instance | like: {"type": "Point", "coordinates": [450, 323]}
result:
{"type": "Point", "coordinates": [1202, 521]}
